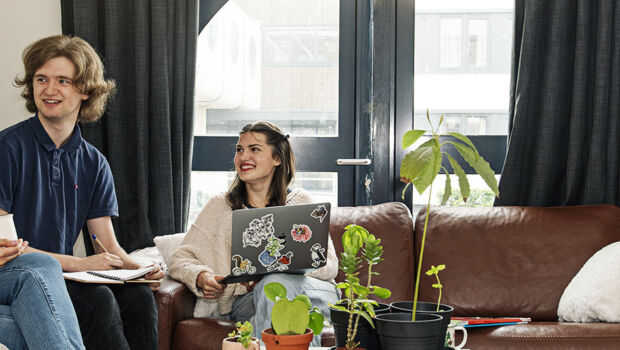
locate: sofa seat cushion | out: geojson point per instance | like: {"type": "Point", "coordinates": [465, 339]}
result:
{"type": "Point", "coordinates": [201, 333]}
{"type": "Point", "coordinates": [545, 335]}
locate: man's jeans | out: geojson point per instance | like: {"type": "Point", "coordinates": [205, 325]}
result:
{"type": "Point", "coordinates": [35, 309]}
{"type": "Point", "coordinates": [119, 317]}
{"type": "Point", "coordinates": [256, 308]}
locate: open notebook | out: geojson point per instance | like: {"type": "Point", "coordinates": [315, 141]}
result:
{"type": "Point", "coordinates": [111, 276]}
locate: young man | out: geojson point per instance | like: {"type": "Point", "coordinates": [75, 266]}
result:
{"type": "Point", "coordinates": [54, 182]}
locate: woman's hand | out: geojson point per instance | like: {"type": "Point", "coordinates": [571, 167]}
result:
{"type": "Point", "coordinates": [211, 289]}
{"type": "Point", "coordinates": [10, 250]}
{"type": "Point", "coordinates": [156, 274]}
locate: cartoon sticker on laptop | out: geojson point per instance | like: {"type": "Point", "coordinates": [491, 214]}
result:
{"type": "Point", "coordinates": [271, 258]}
{"type": "Point", "coordinates": [301, 233]}
{"type": "Point", "coordinates": [282, 263]}
{"type": "Point", "coordinates": [317, 253]}
{"type": "Point", "coordinates": [319, 213]}
{"type": "Point", "coordinates": [258, 230]}
{"type": "Point", "coordinates": [242, 266]}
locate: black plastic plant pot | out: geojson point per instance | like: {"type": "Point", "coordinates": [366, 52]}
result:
{"type": "Point", "coordinates": [366, 335]}
{"type": "Point", "coordinates": [397, 331]}
{"type": "Point", "coordinates": [445, 311]}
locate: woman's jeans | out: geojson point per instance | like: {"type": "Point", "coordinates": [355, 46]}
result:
{"type": "Point", "coordinates": [256, 308]}
{"type": "Point", "coordinates": [115, 316]}
{"type": "Point", "coordinates": [35, 309]}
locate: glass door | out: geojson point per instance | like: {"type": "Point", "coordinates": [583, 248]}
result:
{"type": "Point", "coordinates": [289, 62]}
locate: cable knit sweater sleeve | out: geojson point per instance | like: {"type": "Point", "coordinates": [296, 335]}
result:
{"type": "Point", "coordinates": [206, 245]}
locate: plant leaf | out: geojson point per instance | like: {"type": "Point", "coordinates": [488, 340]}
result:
{"type": "Point", "coordinates": [338, 307]}
{"type": "Point", "coordinates": [316, 322]}
{"type": "Point", "coordinates": [273, 290]}
{"type": "Point", "coordinates": [447, 192]}
{"type": "Point", "coordinates": [463, 138]}
{"type": "Point", "coordinates": [480, 165]}
{"type": "Point", "coordinates": [411, 136]}
{"type": "Point", "coordinates": [441, 267]}
{"type": "Point", "coordinates": [415, 161]}
{"type": "Point", "coordinates": [430, 171]}
{"type": "Point", "coordinates": [437, 285]}
{"type": "Point", "coordinates": [460, 173]}
{"type": "Point", "coordinates": [304, 299]}
{"type": "Point", "coordinates": [382, 293]}
{"type": "Point", "coordinates": [365, 315]}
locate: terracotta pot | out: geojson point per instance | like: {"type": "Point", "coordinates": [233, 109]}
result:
{"type": "Point", "coordinates": [286, 342]}
{"type": "Point", "coordinates": [231, 344]}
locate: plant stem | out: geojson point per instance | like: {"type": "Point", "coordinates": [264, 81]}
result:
{"type": "Point", "coordinates": [350, 339]}
{"type": "Point", "coordinates": [417, 278]}
{"type": "Point", "coordinates": [440, 288]}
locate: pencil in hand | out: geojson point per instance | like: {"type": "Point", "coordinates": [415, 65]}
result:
{"type": "Point", "coordinates": [98, 243]}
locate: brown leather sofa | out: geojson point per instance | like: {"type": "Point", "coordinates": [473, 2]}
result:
{"type": "Point", "coordinates": [391, 222]}
{"type": "Point", "coordinates": [517, 261]}
{"type": "Point", "coordinates": [507, 261]}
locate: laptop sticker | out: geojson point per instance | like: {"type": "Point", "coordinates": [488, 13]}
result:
{"type": "Point", "coordinates": [258, 230]}
{"type": "Point", "coordinates": [271, 253]}
{"type": "Point", "coordinates": [317, 253]}
{"type": "Point", "coordinates": [319, 213]}
{"type": "Point", "coordinates": [242, 266]}
{"type": "Point", "coordinates": [301, 233]}
{"type": "Point", "coordinates": [282, 263]}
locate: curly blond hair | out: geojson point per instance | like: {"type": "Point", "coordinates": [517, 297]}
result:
{"type": "Point", "coordinates": [89, 73]}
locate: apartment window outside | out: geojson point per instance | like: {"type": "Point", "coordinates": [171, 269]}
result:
{"type": "Point", "coordinates": [268, 60]}
{"type": "Point", "coordinates": [465, 77]}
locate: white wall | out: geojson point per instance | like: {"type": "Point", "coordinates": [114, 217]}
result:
{"type": "Point", "coordinates": [21, 23]}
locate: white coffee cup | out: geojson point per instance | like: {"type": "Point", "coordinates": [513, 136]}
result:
{"type": "Point", "coordinates": [7, 227]}
{"type": "Point", "coordinates": [452, 328]}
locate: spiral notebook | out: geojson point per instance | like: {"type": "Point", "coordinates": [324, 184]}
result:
{"type": "Point", "coordinates": [111, 276]}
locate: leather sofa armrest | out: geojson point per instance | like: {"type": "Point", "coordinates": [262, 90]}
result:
{"type": "Point", "coordinates": [175, 303]}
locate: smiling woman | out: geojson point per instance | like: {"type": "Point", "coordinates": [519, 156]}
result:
{"type": "Point", "coordinates": [265, 167]}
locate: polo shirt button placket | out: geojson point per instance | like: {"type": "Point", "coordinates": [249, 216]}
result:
{"type": "Point", "coordinates": [55, 167]}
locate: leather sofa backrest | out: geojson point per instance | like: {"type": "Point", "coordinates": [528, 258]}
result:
{"type": "Point", "coordinates": [392, 223]}
{"type": "Point", "coordinates": [511, 261]}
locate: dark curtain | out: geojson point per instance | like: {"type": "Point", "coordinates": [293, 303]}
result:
{"type": "Point", "coordinates": [564, 104]}
{"type": "Point", "coordinates": [149, 48]}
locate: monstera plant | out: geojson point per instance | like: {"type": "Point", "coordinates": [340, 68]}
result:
{"type": "Point", "coordinates": [422, 164]}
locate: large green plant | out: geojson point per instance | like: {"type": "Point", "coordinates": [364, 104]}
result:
{"type": "Point", "coordinates": [359, 247]}
{"type": "Point", "coordinates": [290, 317]}
{"type": "Point", "coordinates": [421, 166]}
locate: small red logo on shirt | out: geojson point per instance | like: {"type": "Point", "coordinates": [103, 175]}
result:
{"type": "Point", "coordinates": [76, 186]}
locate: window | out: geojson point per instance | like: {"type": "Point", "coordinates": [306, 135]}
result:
{"type": "Point", "coordinates": [465, 77]}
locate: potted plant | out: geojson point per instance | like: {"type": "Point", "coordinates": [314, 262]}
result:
{"type": "Point", "coordinates": [445, 311]}
{"type": "Point", "coordinates": [345, 316]}
{"type": "Point", "coordinates": [241, 338]}
{"type": "Point", "coordinates": [293, 322]}
{"type": "Point", "coordinates": [420, 168]}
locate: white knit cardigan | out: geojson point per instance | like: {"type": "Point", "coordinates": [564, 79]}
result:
{"type": "Point", "coordinates": [206, 247]}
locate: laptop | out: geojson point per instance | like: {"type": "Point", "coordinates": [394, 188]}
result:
{"type": "Point", "coordinates": [284, 239]}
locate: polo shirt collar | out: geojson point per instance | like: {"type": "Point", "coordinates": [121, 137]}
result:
{"type": "Point", "coordinates": [44, 139]}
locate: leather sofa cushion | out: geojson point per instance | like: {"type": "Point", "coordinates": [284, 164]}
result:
{"type": "Point", "coordinates": [511, 261]}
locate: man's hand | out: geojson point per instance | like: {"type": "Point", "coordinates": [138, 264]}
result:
{"type": "Point", "coordinates": [10, 250]}
{"type": "Point", "coordinates": [155, 275]}
{"type": "Point", "coordinates": [103, 261]}
{"type": "Point", "coordinates": [211, 289]}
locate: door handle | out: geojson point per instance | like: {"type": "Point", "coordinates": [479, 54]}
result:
{"type": "Point", "coordinates": [353, 161]}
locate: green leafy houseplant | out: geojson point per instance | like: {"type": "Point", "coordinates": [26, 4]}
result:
{"type": "Point", "coordinates": [421, 166]}
{"type": "Point", "coordinates": [356, 240]}
{"type": "Point", "coordinates": [434, 270]}
{"type": "Point", "coordinates": [243, 333]}
{"type": "Point", "coordinates": [290, 317]}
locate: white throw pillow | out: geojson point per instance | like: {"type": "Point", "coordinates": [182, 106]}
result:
{"type": "Point", "coordinates": [594, 293]}
{"type": "Point", "coordinates": [168, 244]}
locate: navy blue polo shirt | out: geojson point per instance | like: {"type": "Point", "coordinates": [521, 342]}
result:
{"type": "Point", "coordinates": [52, 192]}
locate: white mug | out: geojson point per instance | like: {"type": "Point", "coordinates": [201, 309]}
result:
{"type": "Point", "coordinates": [452, 328]}
{"type": "Point", "coordinates": [7, 227]}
